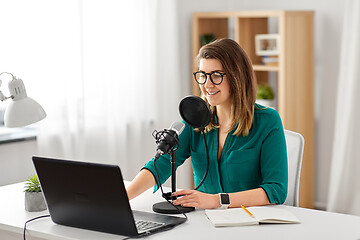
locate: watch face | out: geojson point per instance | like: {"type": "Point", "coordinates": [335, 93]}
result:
{"type": "Point", "coordinates": [225, 199]}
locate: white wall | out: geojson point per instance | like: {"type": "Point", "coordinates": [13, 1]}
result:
{"type": "Point", "coordinates": [328, 29]}
{"type": "Point", "coordinates": [15, 161]}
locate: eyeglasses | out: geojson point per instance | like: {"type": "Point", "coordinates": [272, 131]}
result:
{"type": "Point", "coordinates": [215, 77]}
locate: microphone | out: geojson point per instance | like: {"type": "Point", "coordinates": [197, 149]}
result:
{"type": "Point", "coordinates": [196, 113]}
{"type": "Point", "coordinates": [167, 142]}
{"type": "Point", "coordinates": [168, 139]}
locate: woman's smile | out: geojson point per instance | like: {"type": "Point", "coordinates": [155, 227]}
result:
{"type": "Point", "coordinates": [212, 93]}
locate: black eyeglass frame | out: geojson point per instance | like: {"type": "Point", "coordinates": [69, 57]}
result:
{"type": "Point", "coordinates": [210, 76]}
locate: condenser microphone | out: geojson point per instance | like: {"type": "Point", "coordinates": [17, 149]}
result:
{"type": "Point", "coordinates": [167, 142]}
{"type": "Point", "coordinates": [168, 138]}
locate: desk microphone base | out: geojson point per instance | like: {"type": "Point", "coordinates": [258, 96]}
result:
{"type": "Point", "coordinates": [168, 208]}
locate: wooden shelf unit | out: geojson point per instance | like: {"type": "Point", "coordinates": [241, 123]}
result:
{"type": "Point", "coordinates": [295, 70]}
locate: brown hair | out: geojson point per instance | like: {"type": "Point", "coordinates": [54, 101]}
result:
{"type": "Point", "coordinates": [241, 77]}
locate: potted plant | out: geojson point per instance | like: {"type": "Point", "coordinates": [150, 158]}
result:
{"type": "Point", "coordinates": [34, 198]}
{"type": "Point", "coordinates": [265, 95]}
{"type": "Point", "coordinates": [207, 38]}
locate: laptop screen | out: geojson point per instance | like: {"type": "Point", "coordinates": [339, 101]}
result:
{"type": "Point", "coordinates": [91, 196]}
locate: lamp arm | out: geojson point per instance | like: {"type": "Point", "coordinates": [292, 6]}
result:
{"type": "Point", "coordinates": [7, 73]}
{"type": "Point", "coordinates": [2, 96]}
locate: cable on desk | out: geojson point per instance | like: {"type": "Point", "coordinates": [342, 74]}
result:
{"type": "Point", "coordinates": [30, 220]}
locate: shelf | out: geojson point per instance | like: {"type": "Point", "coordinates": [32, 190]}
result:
{"type": "Point", "coordinates": [266, 68]}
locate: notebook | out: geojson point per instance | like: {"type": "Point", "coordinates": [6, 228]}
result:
{"type": "Point", "coordinates": [239, 217]}
{"type": "Point", "coordinates": [92, 196]}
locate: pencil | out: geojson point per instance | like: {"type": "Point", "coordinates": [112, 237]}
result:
{"type": "Point", "coordinates": [247, 211]}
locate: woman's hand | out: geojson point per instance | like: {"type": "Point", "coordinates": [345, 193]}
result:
{"type": "Point", "coordinates": [193, 198]}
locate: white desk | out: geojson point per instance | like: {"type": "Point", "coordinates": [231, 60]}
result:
{"type": "Point", "coordinates": [315, 224]}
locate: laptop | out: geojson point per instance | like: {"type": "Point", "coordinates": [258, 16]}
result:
{"type": "Point", "coordinates": [92, 196]}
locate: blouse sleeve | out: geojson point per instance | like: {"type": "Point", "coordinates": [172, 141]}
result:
{"type": "Point", "coordinates": [274, 164]}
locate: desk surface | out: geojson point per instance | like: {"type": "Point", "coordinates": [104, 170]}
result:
{"type": "Point", "coordinates": [315, 224]}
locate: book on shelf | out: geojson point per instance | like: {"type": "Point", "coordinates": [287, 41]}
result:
{"type": "Point", "coordinates": [270, 60]}
{"type": "Point", "coordinates": [240, 217]}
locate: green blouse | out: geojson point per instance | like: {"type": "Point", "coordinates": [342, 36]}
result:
{"type": "Point", "coordinates": [257, 160]}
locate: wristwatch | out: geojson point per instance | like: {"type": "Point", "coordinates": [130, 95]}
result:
{"type": "Point", "coordinates": [224, 200]}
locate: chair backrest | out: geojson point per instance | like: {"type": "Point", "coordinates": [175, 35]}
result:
{"type": "Point", "coordinates": [295, 149]}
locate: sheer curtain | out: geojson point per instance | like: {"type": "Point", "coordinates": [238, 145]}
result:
{"type": "Point", "coordinates": [105, 71]}
{"type": "Point", "coordinates": [117, 86]}
{"type": "Point", "coordinates": [344, 192]}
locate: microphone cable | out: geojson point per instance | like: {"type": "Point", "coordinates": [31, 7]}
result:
{"type": "Point", "coordinates": [207, 162]}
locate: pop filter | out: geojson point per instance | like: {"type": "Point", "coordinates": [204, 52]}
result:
{"type": "Point", "coordinates": [195, 112]}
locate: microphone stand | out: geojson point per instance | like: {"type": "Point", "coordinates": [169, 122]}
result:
{"type": "Point", "coordinates": [167, 207]}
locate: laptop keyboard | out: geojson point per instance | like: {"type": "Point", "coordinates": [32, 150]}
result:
{"type": "Point", "coordinates": [142, 225]}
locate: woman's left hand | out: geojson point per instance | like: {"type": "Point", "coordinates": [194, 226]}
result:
{"type": "Point", "coordinates": [193, 198]}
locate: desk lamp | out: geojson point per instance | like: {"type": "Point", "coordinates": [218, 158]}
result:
{"type": "Point", "coordinates": [22, 110]}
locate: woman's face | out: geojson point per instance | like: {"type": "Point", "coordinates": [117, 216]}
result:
{"type": "Point", "coordinates": [216, 95]}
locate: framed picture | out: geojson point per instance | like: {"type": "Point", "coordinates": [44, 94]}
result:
{"type": "Point", "coordinates": [267, 44]}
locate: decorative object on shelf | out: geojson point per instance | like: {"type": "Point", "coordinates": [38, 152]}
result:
{"type": "Point", "coordinates": [267, 44]}
{"type": "Point", "coordinates": [270, 60]}
{"type": "Point", "coordinates": [265, 95]}
{"type": "Point", "coordinates": [22, 110]}
{"type": "Point", "coordinates": [34, 198]}
{"type": "Point", "coordinates": [207, 38]}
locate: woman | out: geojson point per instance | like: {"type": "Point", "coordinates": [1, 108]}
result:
{"type": "Point", "coordinates": [248, 160]}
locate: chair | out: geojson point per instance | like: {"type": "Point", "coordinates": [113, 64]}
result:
{"type": "Point", "coordinates": [295, 149]}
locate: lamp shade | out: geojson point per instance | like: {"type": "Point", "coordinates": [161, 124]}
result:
{"type": "Point", "coordinates": [22, 110]}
